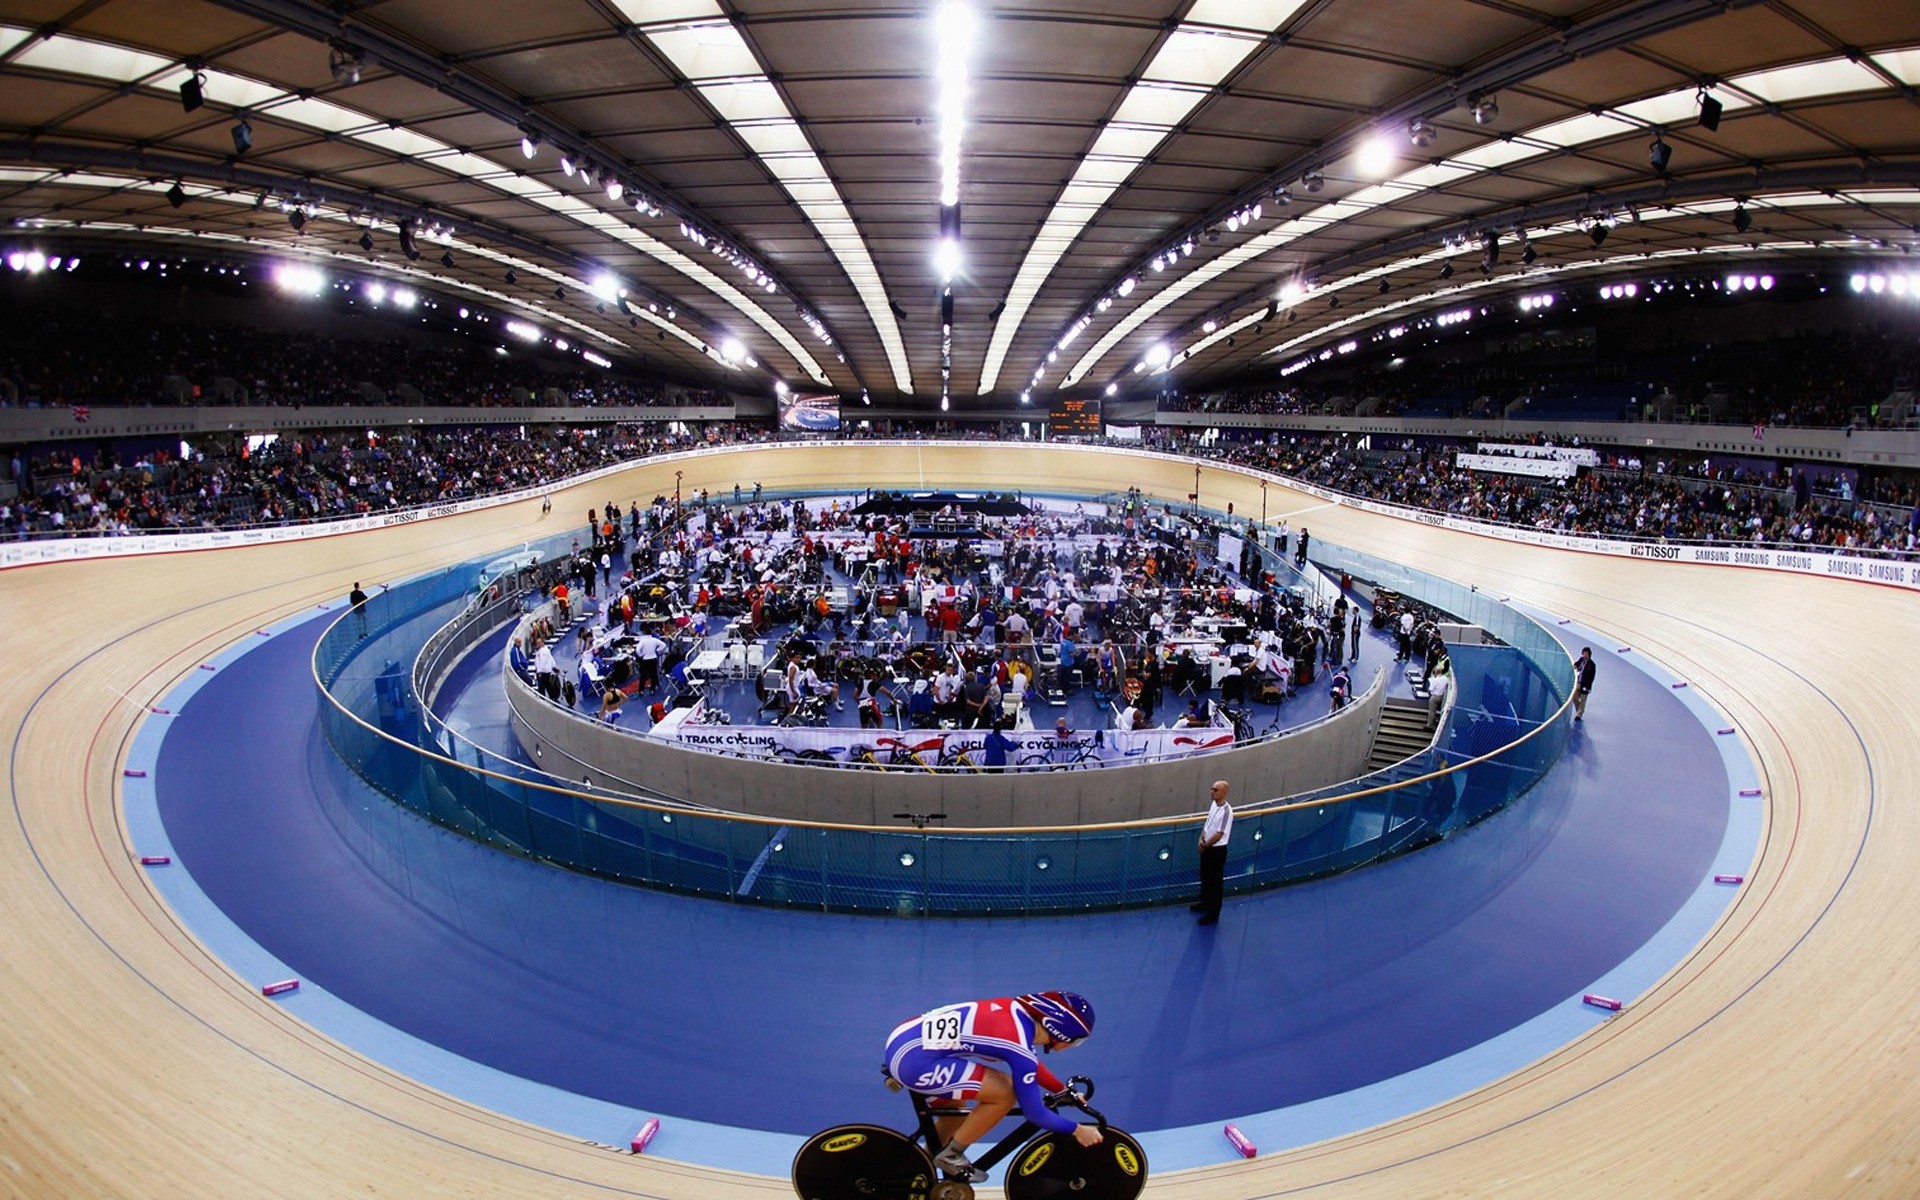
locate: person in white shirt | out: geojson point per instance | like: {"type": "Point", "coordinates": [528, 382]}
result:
{"type": "Point", "coordinates": [546, 672]}
{"type": "Point", "coordinates": [946, 694]}
{"type": "Point", "coordinates": [1128, 719]}
{"type": "Point", "coordinates": [647, 651]}
{"type": "Point", "coordinates": [1438, 684]}
{"type": "Point", "coordinates": [793, 686]}
{"type": "Point", "coordinates": [1214, 836]}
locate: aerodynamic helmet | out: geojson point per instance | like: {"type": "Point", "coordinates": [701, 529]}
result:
{"type": "Point", "coordinates": [1068, 1016]}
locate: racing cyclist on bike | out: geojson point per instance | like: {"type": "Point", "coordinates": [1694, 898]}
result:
{"type": "Point", "coordinates": [985, 1050]}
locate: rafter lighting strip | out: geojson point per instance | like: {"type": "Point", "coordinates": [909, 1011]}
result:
{"type": "Point", "coordinates": [1452, 294]}
{"type": "Point", "coordinates": [954, 36]}
{"type": "Point", "coordinates": [115, 63]}
{"type": "Point", "coordinates": [1294, 297]}
{"type": "Point", "coordinates": [321, 213]}
{"type": "Point", "coordinates": [1779, 85]}
{"type": "Point", "coordinates": [313, 251]}
{"type": "Point", "coordinates": [705, 47]}
{"type": "Point", "coordinates": [1213, 40]}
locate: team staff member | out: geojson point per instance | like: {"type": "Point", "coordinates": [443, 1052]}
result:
{"type": "Point", "coordinates": [984, 1050]}
{"type": "Point", "coordinates": [1214, 836]}
{"type": "Point", "coordinates": [1583, 672]}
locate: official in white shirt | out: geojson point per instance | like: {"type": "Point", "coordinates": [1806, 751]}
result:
{"type": "Point", "coordinates": [1214, 836]}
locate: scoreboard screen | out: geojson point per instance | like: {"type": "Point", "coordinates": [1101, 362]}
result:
{"type": "Point", "coordinates": [1076, 417]}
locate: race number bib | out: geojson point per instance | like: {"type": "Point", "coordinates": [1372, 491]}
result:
{"type": "Point", "coordinates": [940, 1029]}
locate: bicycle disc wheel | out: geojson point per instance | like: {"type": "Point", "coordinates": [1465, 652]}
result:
{"type": "Point", "coordinates": [1053, 1166]}
{"type": "Point", "coordinates": [851, 1161]}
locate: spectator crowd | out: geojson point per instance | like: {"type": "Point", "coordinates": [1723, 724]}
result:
{"type": "Point", "coordinates": [1830, 379]}
{"type": "Point", "coordinates": [56, 358]}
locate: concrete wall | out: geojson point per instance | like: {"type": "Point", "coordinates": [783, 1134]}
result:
{"type": "Point", "coordinates": [572, 746]}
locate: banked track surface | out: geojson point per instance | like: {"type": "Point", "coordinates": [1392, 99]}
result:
{"type": "Point", "coordinates": [1775, 1060]}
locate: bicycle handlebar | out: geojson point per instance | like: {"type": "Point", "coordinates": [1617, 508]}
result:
{"type": "Point", "coordinates": [1078, 1092]}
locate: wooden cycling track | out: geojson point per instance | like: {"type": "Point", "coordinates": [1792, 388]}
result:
{"type": "Point", "coordinates": [1775, 1060]}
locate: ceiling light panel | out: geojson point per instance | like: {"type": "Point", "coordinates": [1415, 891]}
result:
{"type": "Point", "coordinates": [1578, 131]}
{"type": "Point", "coordinates": [1260, 16]}
{"type": "Point", "coordinates": [1829, 77]}
{"type": "Point", "coordinates": [122, 64]}
{"type": "Point", "coordinates": [767, 138]}
{"type": "Point", "coordinates": [704, 46]}
{"type": "Point", "coordinates": [1202, 57]}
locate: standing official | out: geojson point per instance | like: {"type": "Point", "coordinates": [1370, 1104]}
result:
{"type": "Point", "coordinates": [1583, 672]}
{"type": "Point", "coordinates": [1214, 836]}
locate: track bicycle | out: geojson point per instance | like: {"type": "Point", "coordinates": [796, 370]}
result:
{"type": "Point", "coordinates": [960, 758]}
{"type": "Point", "coordinates": [924, 754]}
{"type": "Point", "coordinates": [872, 1162]}
{"type": "Point", "coordinates": [1054, 758]}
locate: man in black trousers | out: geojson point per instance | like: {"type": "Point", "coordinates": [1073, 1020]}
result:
{"type": "Point", "coordinates": [1214, 836]}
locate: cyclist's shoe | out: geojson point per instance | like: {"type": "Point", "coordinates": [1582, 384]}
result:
{"type": "Point", "coordinates": [954, 1163]}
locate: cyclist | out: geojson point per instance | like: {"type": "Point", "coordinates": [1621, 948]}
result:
{"type": "Point", "coordinates": [984, 1050]}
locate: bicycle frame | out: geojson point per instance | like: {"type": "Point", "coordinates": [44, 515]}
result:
{"type": "Point", "coordinates": [929, 1137]}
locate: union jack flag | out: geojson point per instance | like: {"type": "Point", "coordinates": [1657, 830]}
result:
{"type": "Point", "coordinates": [81, 413]}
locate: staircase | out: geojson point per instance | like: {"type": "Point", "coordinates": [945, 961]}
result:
{"type": "Point", "coordinates": [1404, 732]}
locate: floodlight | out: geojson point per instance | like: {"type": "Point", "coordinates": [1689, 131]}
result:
{"type": "Point", "coordinates": [1710, 110]}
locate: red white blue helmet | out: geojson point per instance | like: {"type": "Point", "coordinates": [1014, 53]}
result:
{"type": "Point", "coordinates": [1068, 1016]}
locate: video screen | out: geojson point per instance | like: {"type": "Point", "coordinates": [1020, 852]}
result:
{"type": "Point", "coordinates": [810, 413]}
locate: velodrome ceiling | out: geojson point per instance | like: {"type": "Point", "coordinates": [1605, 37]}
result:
{"type": "Point", "coordinates": [1140, 193]}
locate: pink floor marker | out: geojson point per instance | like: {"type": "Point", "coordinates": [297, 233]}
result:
{"type": "Point", "coordinates": [1606, 1002]}
{"type": "Point", "coordinates": [155, 860]}
{"type": "Point", "coordinates": [134, 773]}
{"type": "Point", "coordinates": [1729, 878]}
{"type": "Point", "coordinates": [1240, 1141]}
{"type": "Point", "coordinates": [275, 989]}
{"type": "Point", "coordinates": [1681, 684]}
{"type": "Point", "coordinates": [642, 1139]}
{"type": "Point", "coordinates": [1724, 730]}
{"type": "Point", "coordinates": [1749, 791]}
{"type": "Point", "coordinates": [208, 667]}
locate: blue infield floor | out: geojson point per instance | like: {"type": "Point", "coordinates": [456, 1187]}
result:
{"type": "Point", "coordinates": [587, 1006]}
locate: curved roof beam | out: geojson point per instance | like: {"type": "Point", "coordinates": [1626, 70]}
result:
{"type": "Point", "coordinates": [1216, 37]}
{"type": "Point", "coordinates": [126, 171]}
{"type": "Point", "coordinates": [1795, 83]}
{"type": "Point", "coordinates": [1878, 185]}
{"type": "Point", "coordinates": [402, 59]}
{"type": "Point", "coordinates": [708, 51]}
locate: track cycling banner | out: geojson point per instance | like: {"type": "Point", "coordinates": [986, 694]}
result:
{"type": "Point", "coordinates": [918, 749]}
